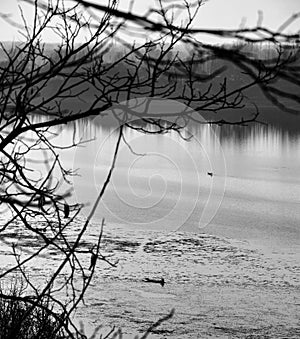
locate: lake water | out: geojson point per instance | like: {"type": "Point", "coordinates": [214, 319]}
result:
{"type": "Point", "coordinates": [254, 194]}
{"type": "Point", "coordinates": [228, 246]}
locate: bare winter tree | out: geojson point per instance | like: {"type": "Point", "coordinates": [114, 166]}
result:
{"type": "Point", "coordinates": [91, 69]}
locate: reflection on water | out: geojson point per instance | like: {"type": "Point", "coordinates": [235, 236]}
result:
{"type": "Point", "coordinates": [253, 195]}
{"type": "Point", "coordinates": [260, 142]}
{"type": "Point", "coordinates": [236, 277]}
{"type": "Point", "coordinates": [161, 182]}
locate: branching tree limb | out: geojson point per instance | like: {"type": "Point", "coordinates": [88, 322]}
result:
{"type": "Point", "coordinates": [93, 69]}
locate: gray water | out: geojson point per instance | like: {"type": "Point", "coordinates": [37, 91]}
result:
{"type": "Point", "coordinates": [254, 194]}
{"type": "Point", "coordinates": [228, 246]}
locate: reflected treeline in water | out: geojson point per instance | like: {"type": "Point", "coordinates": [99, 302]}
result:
{"type": "Point", "coordinates": [256, 141]}
{"type": "Point", "coordinates": [267, 135]}
{"type": "Point", "coordinates": [243, 134]}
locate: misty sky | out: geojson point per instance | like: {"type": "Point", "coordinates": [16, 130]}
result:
{"type": "Point", "coordinates": [214, 14]}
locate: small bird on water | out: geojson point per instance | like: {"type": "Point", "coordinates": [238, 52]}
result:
{"type": "Point", "coordinates": [161, 281]}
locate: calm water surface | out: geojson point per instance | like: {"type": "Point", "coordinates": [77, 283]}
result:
{"type": "Point", "coordinates": [228, 246]}
{"type": "Point", "coordinates": [254, 194]}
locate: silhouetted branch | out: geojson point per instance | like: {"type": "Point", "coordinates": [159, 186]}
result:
{"type": "Point", "coordinates": [44, 87]}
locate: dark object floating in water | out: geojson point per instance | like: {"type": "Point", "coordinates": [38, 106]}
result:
{"type": "Point", "coordinates": [93, 260]}
{"type": "Point", "coordinates": [210, 174]}
{"type": "Point", "coordinates": [155, 281]}
{"type": "Point", "coordinates": [66, 210]}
